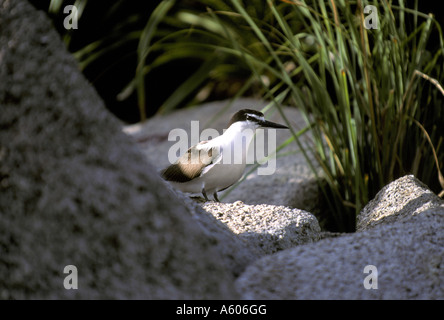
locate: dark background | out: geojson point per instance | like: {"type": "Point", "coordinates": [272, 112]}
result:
{"type": "Point", "coordinates": [114, 70]}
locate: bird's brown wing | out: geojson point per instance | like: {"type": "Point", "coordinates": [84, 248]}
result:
{"type": "Point", "coordinates": [190, 165]}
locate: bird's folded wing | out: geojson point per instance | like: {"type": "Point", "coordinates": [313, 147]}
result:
{"type": "Point", "coordinates": [197, 160]}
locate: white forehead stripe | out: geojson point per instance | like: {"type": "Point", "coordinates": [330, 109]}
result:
{"type": "Point", "coordinates": [256, 116]}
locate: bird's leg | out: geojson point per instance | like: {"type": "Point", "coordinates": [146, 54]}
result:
{"type": "Point", "coordinates": [205, 194]}
{"type": "Point", "coordinates": [215, 196]}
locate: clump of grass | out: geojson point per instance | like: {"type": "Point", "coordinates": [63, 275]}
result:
{"type": "Point", "coordinates": [372, 116]}
{"type": "Point", "coordinates": [371, 97]}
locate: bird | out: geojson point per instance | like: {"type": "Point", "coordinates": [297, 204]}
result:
{"type": "Point", "coordinates": [214, 165]}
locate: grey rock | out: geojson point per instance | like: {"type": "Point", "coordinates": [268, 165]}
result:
{"type": "Point", "coordinates": [402, 198]}
{"type": "Point", "coordinates": [408, 255]}
{"type": "Point", "coordinates": [74, 190]}
{"type": "Point", "coordinates": [237, 253]}
{"type": "Point", "coordinates": [293, 182]}
{"type": "Point", "coordinates": [268, 228]}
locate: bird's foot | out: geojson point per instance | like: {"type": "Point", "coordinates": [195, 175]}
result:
{"type": "Point", "coordinates": [198, 199]}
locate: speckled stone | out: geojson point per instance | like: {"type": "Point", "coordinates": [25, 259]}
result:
{"type": "Point", "coordinates": [408, 255]}
{"type": "Point", "coordinates": [267, 227]}
{"type": "Point", "coordinates": [74, 190]}
{"type": "Point", "coordinates": [401, 199]}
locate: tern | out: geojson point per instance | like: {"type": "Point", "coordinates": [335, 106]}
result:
{"type": "Point", "coordinates": [214, 165]}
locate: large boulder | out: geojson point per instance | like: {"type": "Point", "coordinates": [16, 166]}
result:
{"type": "Point", "coordinates": [236, 252]}
{"type": "Point", "coordinates": [267, 228]}
{"type": "Point", "coordinates": [403, 198]}
{"type": "Point", "coordinates": [74, 190]}
{"type": "Point", "coordinates": [399, 258]}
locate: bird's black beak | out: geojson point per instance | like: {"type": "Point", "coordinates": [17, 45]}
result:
{"type": "Point", "coordinates": [269, 124]}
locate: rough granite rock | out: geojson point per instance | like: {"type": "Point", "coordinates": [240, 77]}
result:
{"type": "Point", "coordinates": [402, 198]}
{"type": "Point", "coordinates": [74, 190]}
{"type": "Point", "coordinates": [267, 227]}
{"type": "Point", "coordinates": [408, 255]}
{"type": "Point", "coordinates": [237, 253]}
